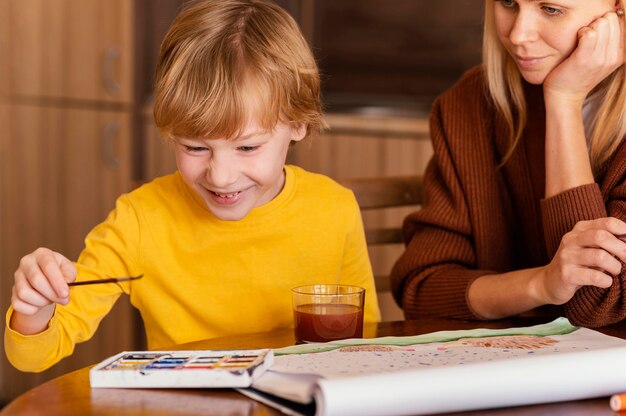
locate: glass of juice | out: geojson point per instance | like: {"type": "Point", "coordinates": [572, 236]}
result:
{"type": "Point", "coordinates": [327, 312]}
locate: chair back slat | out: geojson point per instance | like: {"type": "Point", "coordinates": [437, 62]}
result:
{"type": "Point", "coordinates": [379, 236]}
{"type": "Point", "coordinates": [386, 192]}
{"type": "Point", "coordinates": [381, 193]}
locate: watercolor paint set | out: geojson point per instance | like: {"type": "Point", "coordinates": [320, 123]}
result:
{"type": "Point", "coordinates": [181, 369]}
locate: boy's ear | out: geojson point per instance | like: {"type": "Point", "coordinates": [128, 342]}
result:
{"type": "Point", "coordinates": [298, 131]}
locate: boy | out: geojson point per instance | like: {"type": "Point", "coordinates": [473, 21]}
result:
{"type": "Point", "coordinates": [221, 242]}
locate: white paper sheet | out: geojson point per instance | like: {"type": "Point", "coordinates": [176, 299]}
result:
{"type": "Point", "coordinates": [503, 368]}
{"type": "Point", "coordinates": [543, 379]}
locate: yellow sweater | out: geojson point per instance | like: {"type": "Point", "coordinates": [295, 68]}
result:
{"type": "Point", "coordinates": [204, 277]}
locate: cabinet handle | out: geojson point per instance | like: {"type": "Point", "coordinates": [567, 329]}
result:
{"type": "Point", "coordinates": [109, 132]}
{"type": "Point", "coordinates": [108, 65]}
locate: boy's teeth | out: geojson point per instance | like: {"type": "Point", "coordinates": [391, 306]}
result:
{"type": "Point", "coordinates": [226, 195]}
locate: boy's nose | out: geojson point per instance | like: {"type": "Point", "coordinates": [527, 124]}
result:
{"type": "Point", "coordinates": [222, 173]}
{"type": "Point", "coordinates": [524, 28]}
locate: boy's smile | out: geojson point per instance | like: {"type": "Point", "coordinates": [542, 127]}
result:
{"type": "Point", "coordinates": [226, 198]}
{"type": "Point", "coordinates": [234, 176]}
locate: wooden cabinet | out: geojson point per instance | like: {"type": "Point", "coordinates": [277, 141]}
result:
{"type": "Point", "coordinates": [67, 128]}
{"type": "Point", "coordinates": [4, 50]}
{"type": "Point", "coordinates": [70, 49]}
{"type": "Point", "coordinates": [67, 166]}
{"type": "Point", "coordinates": [61, 171]}
{"type": "Point", "coordinates": [158, 154]}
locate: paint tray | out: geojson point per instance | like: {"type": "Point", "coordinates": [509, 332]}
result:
{"type": "Point", "coordinates": [181, 369]}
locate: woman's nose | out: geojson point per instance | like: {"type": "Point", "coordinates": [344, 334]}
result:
{"type": "Point", "coordinates": [524, 28]}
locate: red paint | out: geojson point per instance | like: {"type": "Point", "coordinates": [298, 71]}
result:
{"type": "Point", "coordinates": [327, 322]}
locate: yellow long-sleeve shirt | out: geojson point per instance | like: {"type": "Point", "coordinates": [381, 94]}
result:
{"type": "Point", "coordinates": [204, 277]}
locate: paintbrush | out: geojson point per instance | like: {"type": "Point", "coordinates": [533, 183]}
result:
{"type": "Point", "coordinates": [109, 280]}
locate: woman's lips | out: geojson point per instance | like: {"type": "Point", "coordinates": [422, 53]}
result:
{"type": "Point", "coordinates": [528, 62]}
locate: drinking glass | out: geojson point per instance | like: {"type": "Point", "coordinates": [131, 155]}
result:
{"type": "Point", "coordinates": [325, 312]}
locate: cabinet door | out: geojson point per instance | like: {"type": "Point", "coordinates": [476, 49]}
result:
{"type": "Point", "coordinates": [4, 43]}
{"type": "Point", "coordinates": [70, 49]}
{"type": "Point", "coordinates": [5, 292]}
{"type": "Point", "coordinates": [61, 171]}
{"type": "Point", "coordinates": [157, 153]}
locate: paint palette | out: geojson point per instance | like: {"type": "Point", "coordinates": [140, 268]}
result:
{"type": "Point", "coordinates": [181, 369]}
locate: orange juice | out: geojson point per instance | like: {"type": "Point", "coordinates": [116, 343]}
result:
{"type": "Point", "coordinates": [323, 322]}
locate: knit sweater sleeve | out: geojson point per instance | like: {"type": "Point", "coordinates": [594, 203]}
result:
{"type": "Point", "coordinates": [591, 306]}
{"type": "Point", "coordinates": [561, 212]}
{"type": "Point", "coordinates": [433, 274]}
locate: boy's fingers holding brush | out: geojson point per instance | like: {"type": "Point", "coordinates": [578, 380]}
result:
{"type": "Point", "coordinates": [57, 270]}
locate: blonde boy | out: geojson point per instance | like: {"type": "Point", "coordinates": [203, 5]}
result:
{"type": "Point", "coordinates": [223, 240]}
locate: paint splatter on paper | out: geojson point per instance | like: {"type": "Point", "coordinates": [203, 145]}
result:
{"type": "Point", "coordinates": [522, 342]}
{"type": "Point", "coordinates": [351, 360]}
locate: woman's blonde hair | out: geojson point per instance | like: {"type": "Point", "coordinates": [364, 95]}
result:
{"type": "Point", "coordinates": [504, 82]}
{"type": "Point", "coordinates": [225, 61]}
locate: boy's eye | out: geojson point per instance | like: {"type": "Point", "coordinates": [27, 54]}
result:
{"type": "Point", "coordinates": [248, 148]}
{"type": "Point", "coordinates": [194, 148]}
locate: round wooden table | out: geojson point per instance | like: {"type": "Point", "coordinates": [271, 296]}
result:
{"type": "Point", "coordinates": [71, 394]}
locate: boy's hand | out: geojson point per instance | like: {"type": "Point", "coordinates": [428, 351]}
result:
{"type": "Point", "coordinates": [591, 254]}
{"type": "Point", "coordinates": [599, 52]}
{"type": "Point", "coordinates": [41, 280]}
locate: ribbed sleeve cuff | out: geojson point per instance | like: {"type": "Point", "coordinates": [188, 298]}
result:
{"type": "Point", "coordinates": [33, 353]}
{"type": "Point", "coordinates": [596, 307]}
{"type": "Point", "coordinates": [442, 293]}
{"type": "Point", "coordinates": [561, 212]}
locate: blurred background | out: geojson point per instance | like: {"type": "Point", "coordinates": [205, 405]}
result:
{"type": "Point", "coordinates": [76, 128]}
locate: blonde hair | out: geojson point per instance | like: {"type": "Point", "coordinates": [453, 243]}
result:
{"type": "Point", "coordinates": [225, 61]}
{"type": "Point", "coordinates": [504, 83]}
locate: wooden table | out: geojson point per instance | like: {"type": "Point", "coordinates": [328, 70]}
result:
{"type": "Point", "coordinates": [70, 394]}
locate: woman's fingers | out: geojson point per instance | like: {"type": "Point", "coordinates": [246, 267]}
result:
{"type": "Point", "coordinates": [601, 260]}
{"type": "Point", "coordinates": [585, 276]}
{"type": "Point", "coordinates": [622, 33]}
{"type": "Point", "coordinates": [607, 232]}
{"type": "Point", "coordinates": [600, 43]}
{"type": "Point", "coordinates": [602, 239]}
{"type": "Point", "coordinates": [591, 254]}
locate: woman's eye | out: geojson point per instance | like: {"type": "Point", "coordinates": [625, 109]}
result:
{"type": "Point", "coordinates": [552, 10]}
{"type": "Point", "coordinates": [507, 3]}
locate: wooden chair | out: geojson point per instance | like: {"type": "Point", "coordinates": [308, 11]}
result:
{"type": "Point", "coordinates": [386, 192]}
{"type": "Point", "coordinates": [383, 195]}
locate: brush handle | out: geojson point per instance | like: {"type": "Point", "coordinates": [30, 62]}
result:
{"type": "Point", "coordinates": [109, 280]}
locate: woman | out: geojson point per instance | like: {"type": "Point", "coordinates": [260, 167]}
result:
{"type": "Point", "coordinates": [526, 191]}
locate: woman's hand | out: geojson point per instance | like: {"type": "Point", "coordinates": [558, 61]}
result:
{"type": "Point", "coordinates": [599, 52]}
{"type": "Point", "coordinates": [591, 254]}
{"type": "Point", "coordinates": [41, 280]}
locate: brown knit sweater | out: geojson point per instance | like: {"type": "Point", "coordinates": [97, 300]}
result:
{"type": "Point", "coordinates": [480, 220]}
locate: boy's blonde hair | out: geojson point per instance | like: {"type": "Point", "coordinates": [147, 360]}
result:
{"type": "Point", "coordinates": [504, 82]}
{"type": "Point", "coordinates": [223, 62]}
